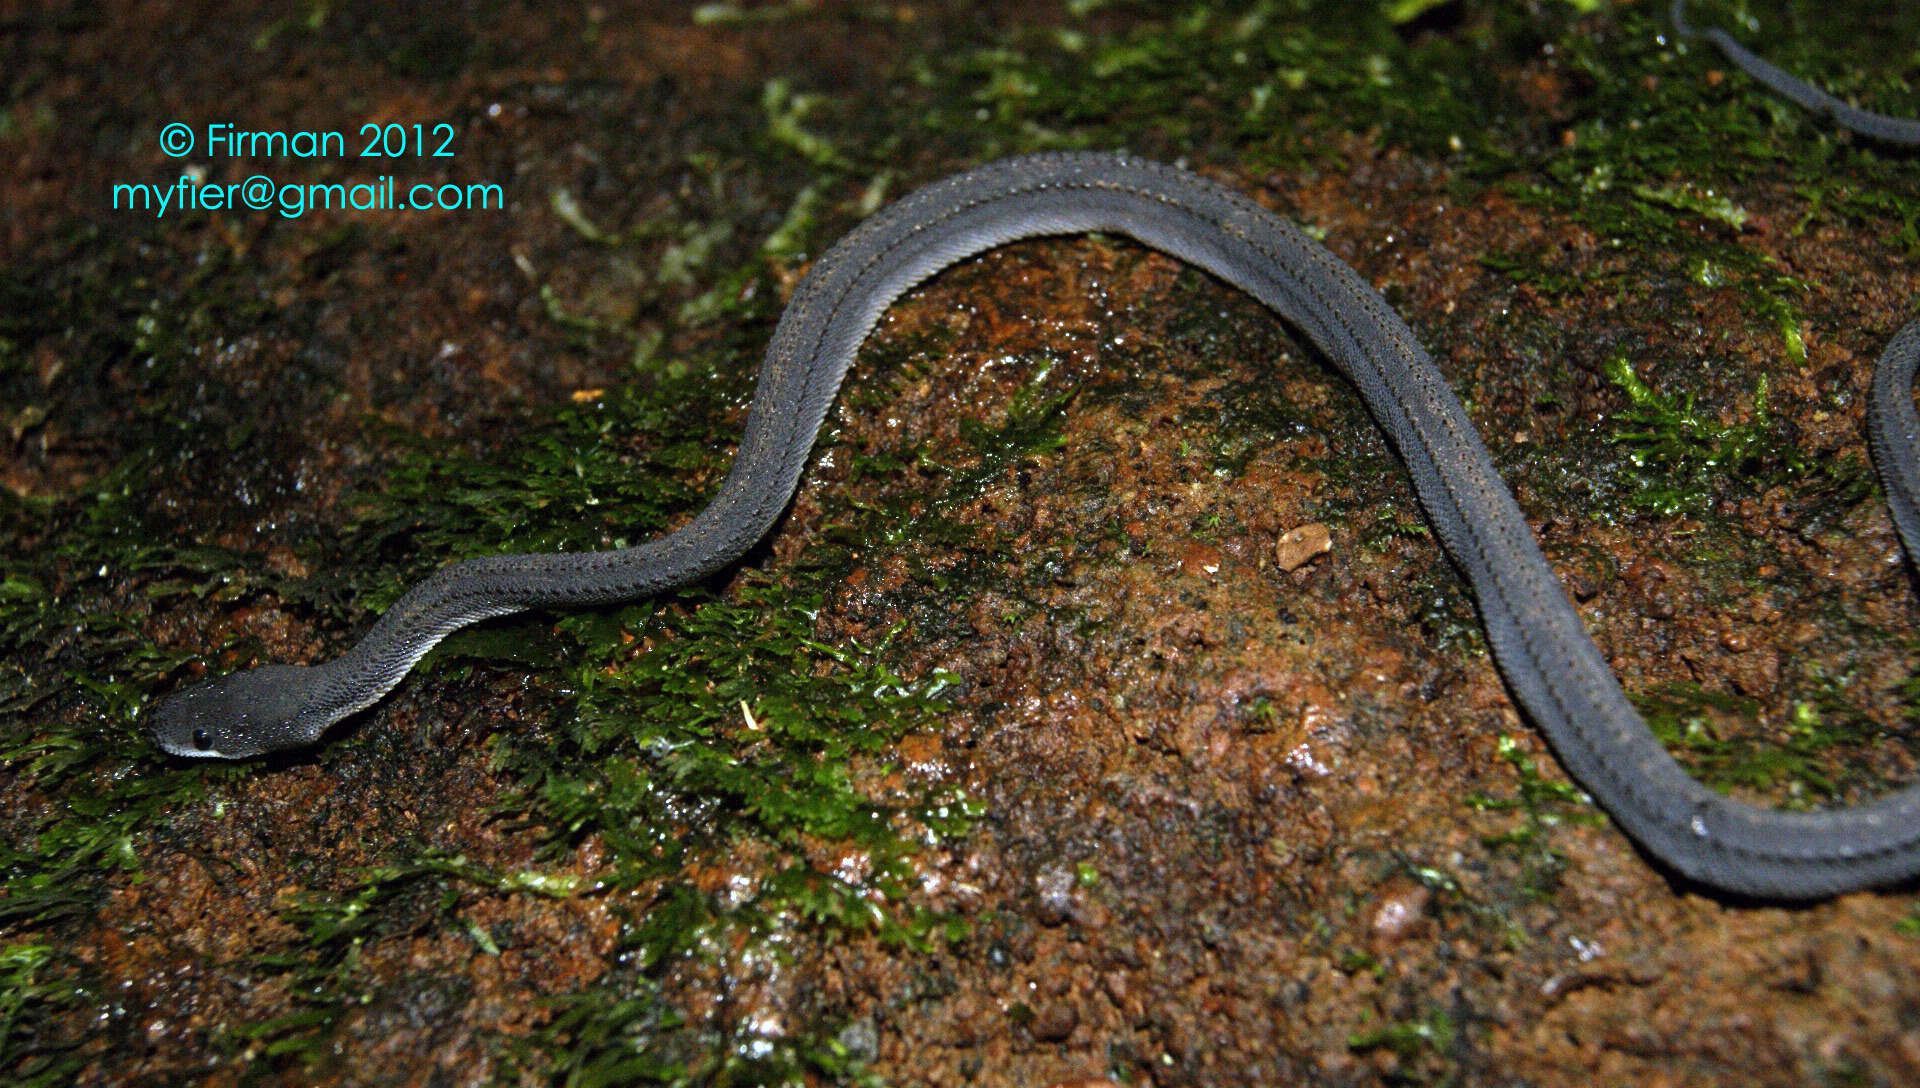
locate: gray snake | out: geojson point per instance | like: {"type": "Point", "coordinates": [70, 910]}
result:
{"type": "Point", "coordinates": [1537, 638]}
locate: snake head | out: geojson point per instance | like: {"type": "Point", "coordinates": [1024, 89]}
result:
{"type": "Point", "coordinates": [237, 716]}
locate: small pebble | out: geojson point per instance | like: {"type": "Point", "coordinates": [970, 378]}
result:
{"type": "Point", "coordinates": [1401, 913]}
{"type": "Point", "coordinates": [1055, 1023]}
{"type": "Point", "coordinates": [1296, 547]}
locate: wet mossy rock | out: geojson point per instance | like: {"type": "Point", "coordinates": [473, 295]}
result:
{"type": "Point", "coordinates": [1016, 628]}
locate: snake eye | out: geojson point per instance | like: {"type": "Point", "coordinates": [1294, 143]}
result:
{"type": "Point", "coordinates": [202, 740]}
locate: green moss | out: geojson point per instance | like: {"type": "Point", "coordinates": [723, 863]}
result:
{"type": "Point", "coordinates": [1033, 427]}
{"type": "Point", "coordinates": [1683, 458]}
{"type": "Point", "coordinates": [1799, 762]}
{"type": "Point", "coordinates": [1910, 925]}
{"type": "Point", "coordinates": [1408, 1038]}
{"type": "Point", "coordinates": [686, 728]}
{"type": "Point", "coordinates": [604, 1038]}
{"type": "Point", "coordinates": [737, 713]}
{"type": "Point", "coordinates": [82, 795]}
{"type": "Point", "coordinates": [928, 520]}
{"type": "Point", "coordinates": [1264, 67]}
{"type": "Point", "coordinates": [1354, 961]}
{"type": "Point", "coordinates": [652, 753]}
{"type": "Point", "coordinates": [1543, 804]}
{"type": "Point", "coordinates": [325, 976]}
{"type": "Point", "coordinates": [75, 662]}
{"type": "Point", "coordinates": [787, 112]}
{"type": "Point", "coordinates": [609, 472]}
{"type": "Point", "coordinates": [1539, 270]}
{"type": "Point", "coordinates": [733, 727]}
{"type": "Point", "coordinates": [39, 985]}
{"type": "Point", "coordinates": [1650, 153]}
{"type": "Point", "coordinates": [712, 726]}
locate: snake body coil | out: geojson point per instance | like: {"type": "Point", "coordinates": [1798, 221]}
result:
{"type": "Point", "coordinates": [1553, 667]}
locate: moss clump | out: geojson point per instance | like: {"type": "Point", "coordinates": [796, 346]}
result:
{"type": "Point", "coordinates": [688, 733]}
{"type": "Point", "coordinates": [1682, 458]}
{"type": "Point", "coordinates": [1408, 1039]}
{"type": "Point", "coordinates": [1543, 803]}
{"type": "Point", "coordinates": [39, 985]}
{"type": "Point", "coordinates": [1800, 762]}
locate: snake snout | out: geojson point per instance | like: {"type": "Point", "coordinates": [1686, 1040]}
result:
{"type": "Point", "coordinates": [236, 716]}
